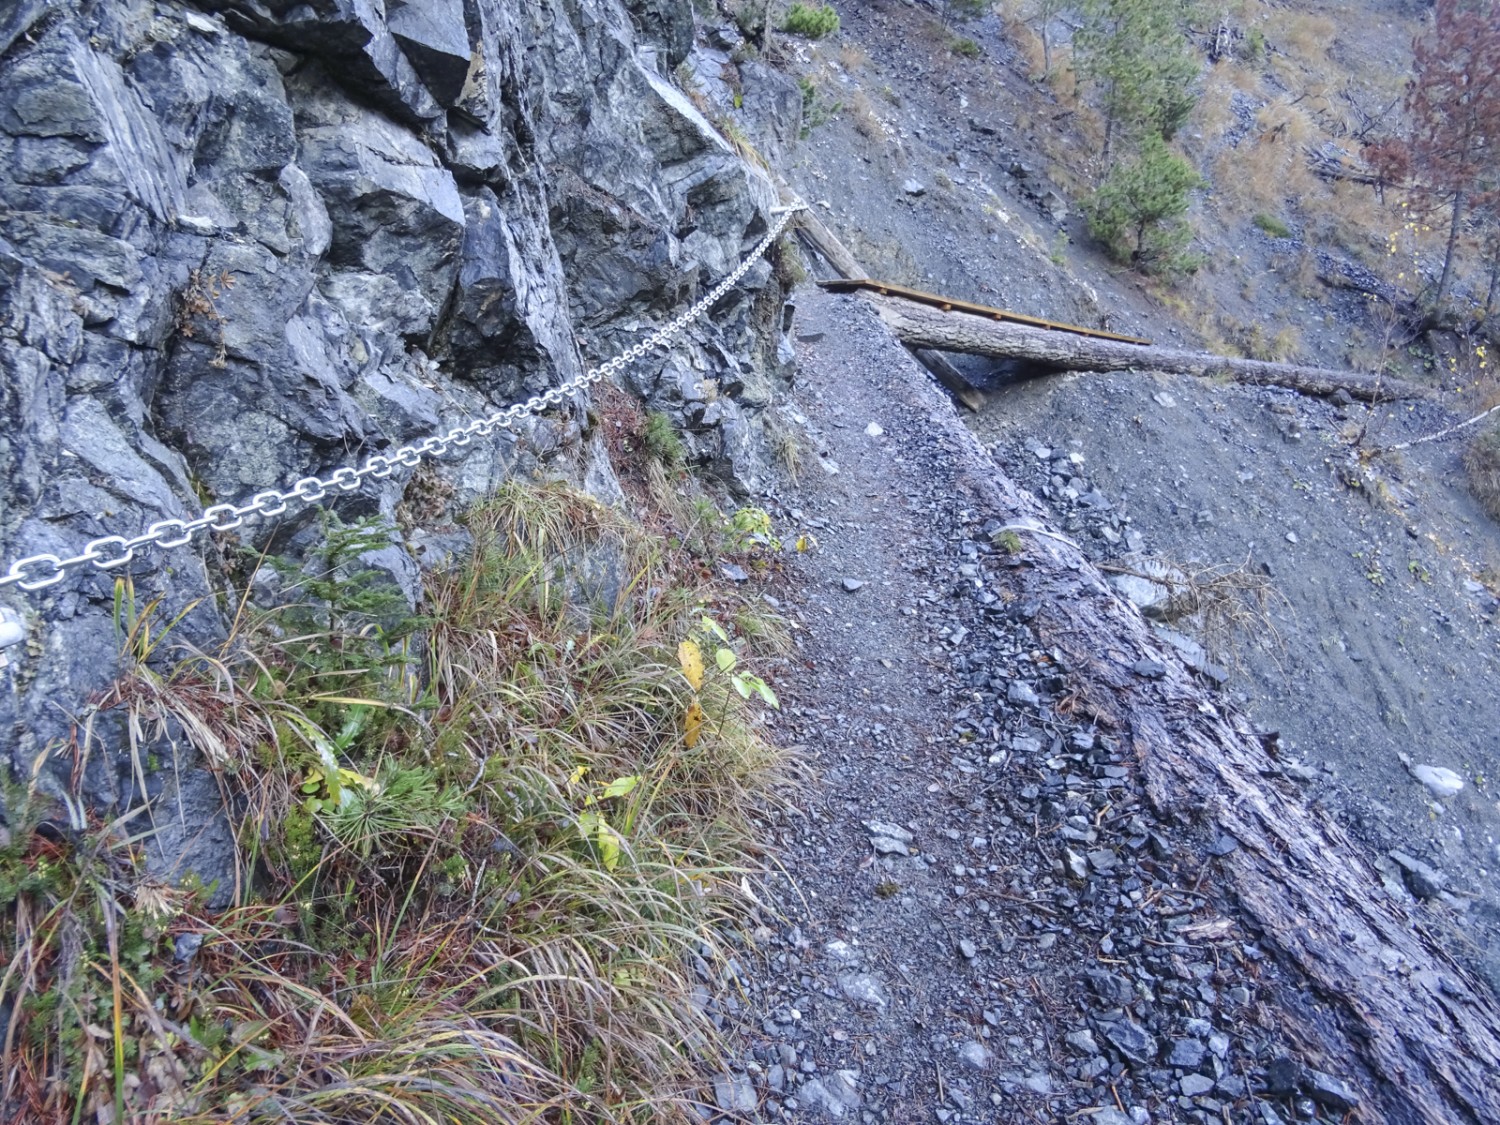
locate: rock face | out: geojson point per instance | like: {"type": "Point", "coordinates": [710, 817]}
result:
{"type": "Point", "coordinates": [252, 240]}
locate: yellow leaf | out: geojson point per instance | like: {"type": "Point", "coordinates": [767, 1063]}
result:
{"type": "Point", "coordinates": [690, 656]}
{"type": "Point", "coordinates": [577, 775]}
{"type": "Point", "coordinates": [694, 720]}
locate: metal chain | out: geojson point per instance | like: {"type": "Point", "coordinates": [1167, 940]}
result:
{"type": "Point", "coordinates": [37, 572]}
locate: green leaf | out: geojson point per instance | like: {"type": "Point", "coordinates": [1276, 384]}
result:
{"type": "Point", "coordinates": [621, 786]}
{"type": "Point", "coordinates": [725, 659]}
{"type": "Point", "coordinates": [608, 842]}
{"type": "Point", "coordinates": [741, 685]}
{"type": "Point", "coordinates": [713, 628]}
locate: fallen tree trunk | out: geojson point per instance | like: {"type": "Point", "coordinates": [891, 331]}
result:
{"type": "Point", "coordinates": [1361, 983]}
{"type": "Point", "coordinates": [951, 377]}
{"type": "Point", "coordinates": [826, 245]}
{"type": "Point", "coordinates": [918, 326]}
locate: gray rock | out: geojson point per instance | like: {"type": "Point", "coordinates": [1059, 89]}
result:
{"type": "Point", "coordinates": [734, 1093]}
{"type": "Point", "coordinates": [1424, 881]}
{"type": "Point", "coordinates": [432, 34]}
{"type": "Point", "coordinates": [1283, 1075]}
{"type": "Point", "coordinates": [1038, 1082]}
{"type": "Point", "coordinates": [1077, 865]}
{"type": "Point", "coordinates": [186, 947]}
{"type": "Point", "coordinates": [1082, 1041]}
{"type": "Point", "coordinates": [864, 988]}
{"type": "Point", "coordinates": [852, 584]}
{"type": "Point", "coordinates": [1195, 1085]}
{"type": "Point", "coordinates": [1440, 781]}
{"type": "Point", "coordinates": [1329, 1091]}
{"type": "Point", "coordinates": [974, 1054]}
{"type": "Point", "coordinates": [1186, 1053]}
{"type": "Point", "coordinates": [1133, 1041]}
{"type": "Point", "coordinates": [890, 831]}
{"type": "Point", "coordinates": [834, 1097]}
{"type": "Point", "coordinates": [914, 187]}
{"type": "Point", "coordinates": [278, 254]}
{"type": "Point", "coordinates": [1022, 694]}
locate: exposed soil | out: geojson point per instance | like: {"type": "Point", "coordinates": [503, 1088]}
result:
{"type": "Point", "coordinates": [1389, 649]}
{"type": "Point", "coordinates": [978, 917]}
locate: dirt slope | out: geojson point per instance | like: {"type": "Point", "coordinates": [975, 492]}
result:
{"type": "Point", "coordinates": [990, 906]}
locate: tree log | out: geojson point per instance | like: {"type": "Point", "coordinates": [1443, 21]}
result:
{"type": "Point", "coordinates": [918, 326]}
{"type": "Point", "coordinates": [951, 377]}
{"type": "Point", "coordinates": [1372, 994]}
{"type": "Point", "coordinates": [826, 245]}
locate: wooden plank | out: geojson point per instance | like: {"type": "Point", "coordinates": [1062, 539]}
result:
{"type": "Point", "coordinates": [823, 242]}
{"type": "Point", "coordinates": [948, 304]}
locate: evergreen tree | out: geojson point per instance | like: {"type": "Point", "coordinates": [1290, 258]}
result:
{"type": "Point", "coordinates": [1135, 53]}
{"type": "Point", "coordinates": [1138, 210]}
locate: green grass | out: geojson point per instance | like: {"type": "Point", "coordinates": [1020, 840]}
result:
{"type": "Point", "coordinates": [1272, 225]}
{"type": "Point", "coordinates": [472, 871]}
{"type": "Point", "coordinates": [661, 440]}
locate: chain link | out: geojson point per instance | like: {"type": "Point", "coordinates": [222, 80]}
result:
{"type": "Point", "coordinates": [38, 572]}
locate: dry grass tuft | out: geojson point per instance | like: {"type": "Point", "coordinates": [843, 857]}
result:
{"type": "Point", "coordinates": [1226, 604]}
{"type": "Point", "coordinates": [471, 889]}
{"type": "Point", "coordinates": [1482, 463]}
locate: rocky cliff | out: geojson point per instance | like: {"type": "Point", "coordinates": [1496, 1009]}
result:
{"type": "Point", "coordinates": [249, 241]}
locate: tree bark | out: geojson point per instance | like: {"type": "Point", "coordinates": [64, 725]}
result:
{"type": "Point", "coordinates": [1366, 990]}
{"type": "Point", "coordinates": [919, 326]}
{"type": "Point", "coordinates": [1449, 252]}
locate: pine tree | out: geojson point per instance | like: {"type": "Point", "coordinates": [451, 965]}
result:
{"type": "Point", "coordinates": [1134, 51]}
{"type": "Point", "coordinates": [1454, 105]}
{"type": "Point", "coordinates": [1137, 211]}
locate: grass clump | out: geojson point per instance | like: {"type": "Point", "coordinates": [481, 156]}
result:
{"type": "Point", "coordinates": [661, 440]}
{"type": "Point", "coordinates": [965, 47]}
{"type": "Point", "coordinates": [472, 870]}
{"type": "Point", "coordinates": [1482, 463]}
{"type": "Point", "coordinates": [811, 21]}
{"type": "Point", "coordinates": [1272, 225]}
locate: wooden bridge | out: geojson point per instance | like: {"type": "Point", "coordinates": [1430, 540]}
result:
{"type": "Point", "coordinates": [948, 304]}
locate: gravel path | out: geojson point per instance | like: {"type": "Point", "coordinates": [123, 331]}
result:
{"type": "Point", "coordinates": [976, 917]}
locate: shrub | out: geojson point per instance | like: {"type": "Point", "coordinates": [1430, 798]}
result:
{"type": "Point", "coordinates": [966, 47]}
{"type": "Point", "coordinates": [661, 440]}
{"type": "Point", "coordinates": [811, 21]}
{"type": "Point", "coordinates": [1137, 211]}
{"type": "Point", "coordinates": [1272, 225]}
{"type": "Point", "coordinates": [1482, 460]}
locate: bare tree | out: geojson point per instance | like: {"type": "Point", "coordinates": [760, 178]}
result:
{"type": "Point", "coordinates": [1454, 105]}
